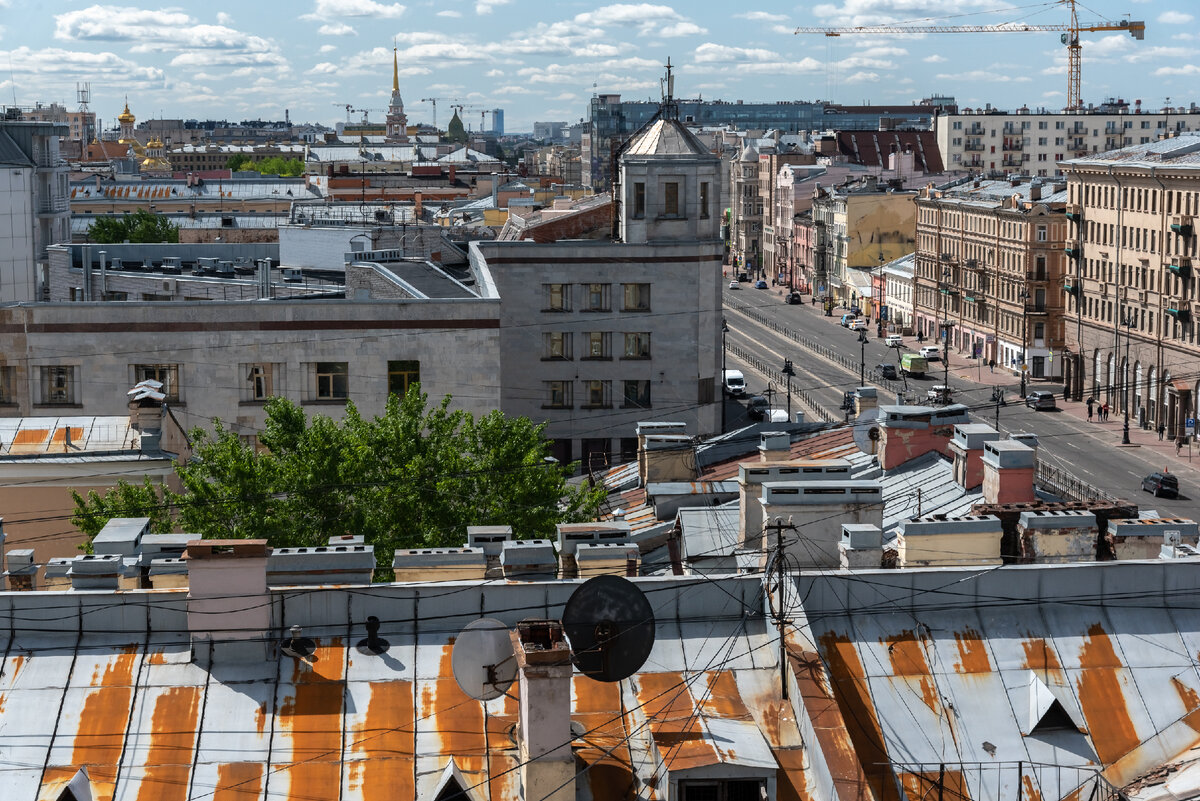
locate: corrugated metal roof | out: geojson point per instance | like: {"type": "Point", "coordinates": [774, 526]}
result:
{"type": "Point", "coordinates": [26, 436]}
{"type": "Point", "coordinates": [1182, 151]}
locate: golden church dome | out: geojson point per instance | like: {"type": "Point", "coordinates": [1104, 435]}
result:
{"type": "Point", "coordinates": [126, 115]}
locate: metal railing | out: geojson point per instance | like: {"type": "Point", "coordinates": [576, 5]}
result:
{"type": "Point", "coordinates": [1051, 479]}
{"type": "Point", "coordinates": [802, 396]}
{"type": "Point", "coordinates": [815, 347]}
{"type": "Point", "coordinates": [1002, 781]}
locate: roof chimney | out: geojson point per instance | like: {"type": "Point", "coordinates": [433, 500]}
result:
{"type": "Point", "coordinates": [666, 457]}
{"type": "Point", "coordinates": [227, 597]}
{"type": "Point", "coordinates": [648, 429]}
{"type": "Point", "coordinates": [775, 446]}
{"type": "Point", "coordinates": [1008, 468]}
{"type": "Point", "coordinates": [439, 564]}
{"type": "Point", "coordinates": [22, 570]}
{"type": "Point", "coordinates": [910, 431]}
{"type": "Point", "coordinates": [967, 451]}
{"type": "Point", "coordinates": [544, 734]}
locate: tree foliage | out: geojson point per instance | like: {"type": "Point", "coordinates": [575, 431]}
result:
{"type": "Point", "coordinates": [275, 165]}
{"type": "Point", "coordinates": [140, 226]}
{"type": "Point", "coordinates": [416, 476]}
{"type": "Point", "coordinates": [124, 500]}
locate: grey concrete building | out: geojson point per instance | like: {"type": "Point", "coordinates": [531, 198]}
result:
{"type": "Point", "coordinates": [34, 208]}
{"type": "Point", "coordinates": [598, 335]}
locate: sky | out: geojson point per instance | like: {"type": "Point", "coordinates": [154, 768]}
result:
{"type": "Point", "coordinates": [542, 61]}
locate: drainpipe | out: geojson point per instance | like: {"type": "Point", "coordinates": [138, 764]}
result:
{"type": "Point", "coordinates": [1158, 344]}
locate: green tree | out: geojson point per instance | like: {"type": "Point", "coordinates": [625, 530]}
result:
{"type": "Point", "coordinates": [124, 500]}
{"type": "Point", "coordinates": [140, 226]}
{"type": "Point", "coordinates": [416, 476]}
{"type": "Point", "coordinates": [238, 162]}
{"type": "Point", "coordinates": [277, 165]}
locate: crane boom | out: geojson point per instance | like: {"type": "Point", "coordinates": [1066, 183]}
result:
{"type": "Point", "coordinates": [1136, 29]}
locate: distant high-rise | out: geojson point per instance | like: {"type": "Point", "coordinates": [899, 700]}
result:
{"type": "Point", "coordinates": [498, 121]}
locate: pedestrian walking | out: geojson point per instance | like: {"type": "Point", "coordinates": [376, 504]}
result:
{"type": "Point", "coordinates": [1104, 412]}
{"type": "Point", "coordinates": [1179, 445]}
{"type": "Point", "coordinates": [1162, 430]}
{"type": "Point", "coordinates": [1090, 403]}
{"type": "Point", "coordinates": [991, 365]}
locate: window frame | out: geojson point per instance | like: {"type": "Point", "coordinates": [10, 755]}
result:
{"type": "Point", "coordinates": [640, 398]}
{"type": "Point", "coordinates": [406, 370]}
{"type": "Point", "coordinates": [45, 386]}
{"type": "Point", "coordinates": [563, 340]}
{"type": "Point", "coordinates": [563, 390]}
{"type": "Point", "coordinates": [330, 371]}
{"type": "Point", "coordinates": [166, 373]}
{"type": "Point", "coordinates": [626, 288]}
{"type": "Point", "coordinates": [639, 200]}
{"type": "Point", "coordinates": [670, 201]}
{"type": "Point", "coordinates": [563, 292]}
{"type": "Point", "coordinates": [598, 394]}
{"type": "Point", "coordinates": [635, 338]}
{"type": "Point", "coordinates": [604, 303]}
{"type": "Point", "coordinates": [257, 374]}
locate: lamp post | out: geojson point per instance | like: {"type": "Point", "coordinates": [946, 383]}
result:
{"type": "Point", "coordinates": [998, 399]}
{"type": "Point", "coordinates": [862, 358]}
{"type": "Point", "coordinates": [947, 274]}
{"type": "Point", "coordinates": [724, 331]}
{"type": "Point", "coordinates": [1023, 296]}
{"type": "Point", "coordinates": [1126, 321]}
{"type": "Point", "coordinates": [789, 371]}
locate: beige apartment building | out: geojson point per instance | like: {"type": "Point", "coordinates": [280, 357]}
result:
{"type": "Point", "coordinates": [990, 264]}
{"type": "Point", "coordinates": [1033, 142]}
{"type": "Point", "coordinates": [1131, 290]}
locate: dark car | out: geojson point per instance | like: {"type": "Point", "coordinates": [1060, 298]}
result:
{"type": "Point", "coordinates": [887, 371]}
{"type": "Point", "coordinates": [743, 276]}
{"type": "Point", "coordinates": [1161, 484]}
{"type": "Point", "coordinates": [760, 284]}
{"type": "Point", "coordinates": [794, 298]}
{"type": "Point", "coordinates": [757, 407]}
{"type": "Point", "coordinates": [1039, 401]}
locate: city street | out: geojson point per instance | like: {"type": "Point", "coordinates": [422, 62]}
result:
{"type": "Point", "coordinates": [760, 324]}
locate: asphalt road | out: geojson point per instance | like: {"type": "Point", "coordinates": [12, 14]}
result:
{"type": "Point", "coordinates": [1086, 450]}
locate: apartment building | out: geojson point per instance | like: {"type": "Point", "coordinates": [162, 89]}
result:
{"type": "Point", "coordinates": [1033, 142]}
{"type": "Point", "coordinates": [33, 203]}
{"type": "Point", "coordinates": [858, 227]}
{"type": "Point", "coordinates": [1131, 289]}
{"type": "Point", "coordinates": [989, 269]}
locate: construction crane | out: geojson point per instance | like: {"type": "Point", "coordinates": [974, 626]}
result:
{"type": "Point", "coordinates": [1070, 37]}
{"type": "Point", "coordinates": [434, 101]}
{"type": "Point", "coordinates": [352, 110]}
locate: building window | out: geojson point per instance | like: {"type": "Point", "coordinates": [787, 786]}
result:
{"type": "Point", "coordinates": [259, 384]}
{"type": "Point", "coordinates": [670, 207]}
{"type": "Point", "coordinates": [402, 374]}
{"type": "Point", "coordinates": [723, 790]}
{"type": "Point", "coordinates": [597, 345]}
{"type": "Point", "coordinates": [557, 297]}
{"type": "Point", "coordinates": [165, 374]}
{"type": "Point", "coordinates": [637, 297]}
{"type": "Point", "coordinates": [7, 392]}
{"type": "Point", "coordinates": [637, 345]}
{"type": "Point", "coordinates": [639, 200]}
{"type": "Point", "coordinates": [706, 391]}
{"type": "Point", "coordinates": [1039, 330]}
{"type": "Point", "coordinates": [558, 394]}
{"type": "Point", "coordinates": [598, 297]}
{"type": "Point", "coordinates": [557, 345]}
{"type": "Point", "coordinates": [1041, 233]}
{"type": "Point", "coordinates": [598, 394]}
{"type": "Point", "coordinates": [58, 385]}
{"type": "Point", "coordinates": [637, 394]}
{"type": "Point", "coordinates": [704, 200]}
{"type": "Point", "coordinates": [331, 381]}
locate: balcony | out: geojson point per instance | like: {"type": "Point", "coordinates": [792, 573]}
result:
{"type": "Point", "coordinates": [974, 129]}
{"type": "Point", "coordinates": [1073, 252]}
{"type": "Point", "coordinates": [1183, 225]}
{"type": "Point", "coordinates": [53, 205]}
{"type": "Point", "coordinates": [1034, 275]}
{"type": "Point", "coordinates": [1041, 310]}
{"type": "Point", "coordinates": [1072, 287]}
{"type": "Point", "coordinates": [1012, 161]}
{"type": "Point", "coordinates": [1013, 144]}
{"type": "Point", "coordinates": [1181, 313]}
{"type": "Point", "coordinates": [974, 146]}
{"type": "Point", "coordinates": [1074, 212]}
{"type": "Point", "coordinates": [1181, 267]}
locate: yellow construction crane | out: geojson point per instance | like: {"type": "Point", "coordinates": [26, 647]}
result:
{"type": "Point", "coordinates": [1070, 37]}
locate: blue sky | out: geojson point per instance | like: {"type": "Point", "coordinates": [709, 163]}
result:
{"type": "Point", "coordinates": [542, 61]}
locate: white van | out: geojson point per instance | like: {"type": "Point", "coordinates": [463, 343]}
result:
{"type": "Point", "coordinates": [893, 341]}
{"type": "Point", "coordinates": [734, 383]}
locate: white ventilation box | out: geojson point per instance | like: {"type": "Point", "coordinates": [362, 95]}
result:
{"type": "Point", "coordinates": [490, 538]}
{"type": "Point", "coordinates": [607, 558]}
{"type": "Point", "coordinates": [337, 564]}
{"type": "Point", "coordinates": [439, 564]}
{"type": "Point", "coordinates": [529, 560]}
{"type": "Point", "coordinates": [571, 535]}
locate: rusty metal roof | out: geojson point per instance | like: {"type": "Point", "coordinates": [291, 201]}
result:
{"type": "Point", "coordinates": [33, 436]}
{"type": "Point", "coordinates": [149, 717]}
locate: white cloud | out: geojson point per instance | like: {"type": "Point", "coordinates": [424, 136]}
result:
{"type": "Point", "coordinates": [787, 30]}
{"type": "Point", "coordinates": [934, 59]}
{"type": "Point", "coordinates": [710, 52]}
{"type": "Point", "coordinates": [450, 13]}
{"type": "Point", "coordinates": [37, 65]}
{"type": "Point", "coordinates": [863, 77]}
{"type": "Point", "coordinates": [327, 48]}
{"type": "Point", "coordinates": [336, 29]}
{"type": "Point", "coordinates": [681, 29]}
{"type": "Point", "coordinates": [565, 96]}
{"type": "Point", "coordinates": [1052, 93]}
{"type": "Point", "coordinates": [224, 19]}
{"type": "Point", "coordinates": [1186, 69]}
{"type": "Point", "coordinates": [488, 6]}
{"type": "Point", "coordinates": [336, 9]}
{"type": "Point", "coordinates": [495, 73]}
{"type": "Point", "coordinates": [1159, 54]}
{"type": "Point", "coordinates": [990, 75]}
{"type": "Point", "coordinates": [1175, 18]}
{"type": "Point", "coordinates": [761, 16]}
{"type": "Point", "coordinates": [513, 89]}
{"type": "Point", "coordinates": [882, 12]}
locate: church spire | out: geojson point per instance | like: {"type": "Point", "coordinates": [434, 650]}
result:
{"type": "Point", "coordinates": [395, 72]}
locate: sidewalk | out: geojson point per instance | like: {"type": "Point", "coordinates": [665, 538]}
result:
{"type": "Point", "coordinates": [1110, 432]}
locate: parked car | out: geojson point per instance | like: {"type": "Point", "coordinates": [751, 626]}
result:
{"type": "Point", "coordinates": [734, 285]}
{"type": "Point", "coordinates": [913, 364]}
{"type": "Point", "coordinates": [858, 324]}
{"type": "Point", "coordinates": [794, 298]}
{"type": "Point", "coordinates": [1040, 401]}
{"type": "Point", "coordinates": [758, 408]}
{"type": "Point", "coordinates": [734, 383]}
{"type": "Point", "coordinates": [1161, 484]}
{"type": "Point", "coordinates": [932, 353]}
{"type": "Point", "coordinates": [847, 319]}
{"type": "Point", "coordinates": [887, 371]}
{"type": "Point", "coordinates": [760, 284]}
{"type": "Point", "coordinates": [893, 340]}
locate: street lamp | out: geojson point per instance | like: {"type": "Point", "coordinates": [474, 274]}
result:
{"type": "Point", "coordinates": [724, 331]}
{"type": "Point", "coordinates": [1023, 296]}
{"type": "Point", "coordinates": [1127, 321]}
{"type": "Point", "coordinates": [789, 372]}
{"type": "Point", "coordinates": [862, 358]}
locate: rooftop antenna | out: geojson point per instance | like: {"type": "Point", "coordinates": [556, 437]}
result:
{"type": "Point", "coordinates": [610, 626]}
{"type": "Point", "coordinates": [83, 94]}
{"type": "Point", "coordinates": [667, 85]}
{"type": "Point", "coordinates": [483, 660]}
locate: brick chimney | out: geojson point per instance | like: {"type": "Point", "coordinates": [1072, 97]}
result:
{"type": "Point", "coordinates": [1008, 468]}
{"type": "Point", "coordinates": [907, 432]}
{"type": "Point", "coordinates": [650, 429]}
{"type": "Point", "coordinates": [751, 477]}
{"type": "Point", "coordinates": [544, 733]}
{"type": "Point", "coordinates": [666, 457]}
{"type": "Point", "coordinates": [967, 451]}
{"type": "Point", "coordinates": [227, 597]}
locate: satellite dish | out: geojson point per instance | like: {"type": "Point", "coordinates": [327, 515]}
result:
{"type": "Point", "coordinates": [610, 626]}
{"type": "Point", "coordinates": [483, 660]}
